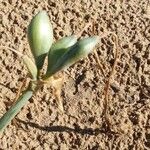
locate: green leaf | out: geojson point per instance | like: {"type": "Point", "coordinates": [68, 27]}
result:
{"type": "Point", "coordinates": [74, 53]}
{"type": "Point", "coordinates": [31, 66]}
{"type": "Point", "coordinates": [40, 37]}
{"type": "Point", "coordinates": [58, 49]}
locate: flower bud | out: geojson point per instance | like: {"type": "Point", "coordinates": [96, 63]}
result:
{"type": "Point", "coordinates": [76, 52]}
{"type": "Point", "coordinates": [58, 49]}
{"type": "Point", "coordinates": [40, 37]}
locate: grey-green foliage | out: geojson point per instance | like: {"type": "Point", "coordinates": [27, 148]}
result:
{"type": "Point", "coordinates": [59, 48]}
{"type": "Point", "coordinates": [62, 54]}
{"type": "Point", "coordinates": [40, 37]}
{"type": "Point", "coordinates": [11, 113]}
{"type": "Point", "coordinates": [31, 67]}
{"type": "Point", "coordinates": [73, 54]}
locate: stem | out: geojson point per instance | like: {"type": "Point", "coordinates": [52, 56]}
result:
{"type": "Point", "coordinates": [12, 112]}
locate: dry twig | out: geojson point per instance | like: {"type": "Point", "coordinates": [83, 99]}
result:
{"type": "Point", "coordinates": [106, 92]}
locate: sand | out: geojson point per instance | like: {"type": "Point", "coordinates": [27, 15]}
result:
{"type": "Point", "coordinates": [82, 126]}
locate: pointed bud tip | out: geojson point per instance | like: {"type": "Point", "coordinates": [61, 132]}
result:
{"type": "Point", "coordinates": [97, 38]}
{"type": "Point", "coordinates": [42, 12]}
{"type": "Point", "coordinates": [87, 44]}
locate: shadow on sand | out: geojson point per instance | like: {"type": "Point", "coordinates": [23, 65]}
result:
{"type": "Point", "coordinates": [76, 129]}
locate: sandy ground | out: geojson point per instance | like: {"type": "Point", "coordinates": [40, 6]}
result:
{"type": "Point", "coordinates": [40, 124]}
